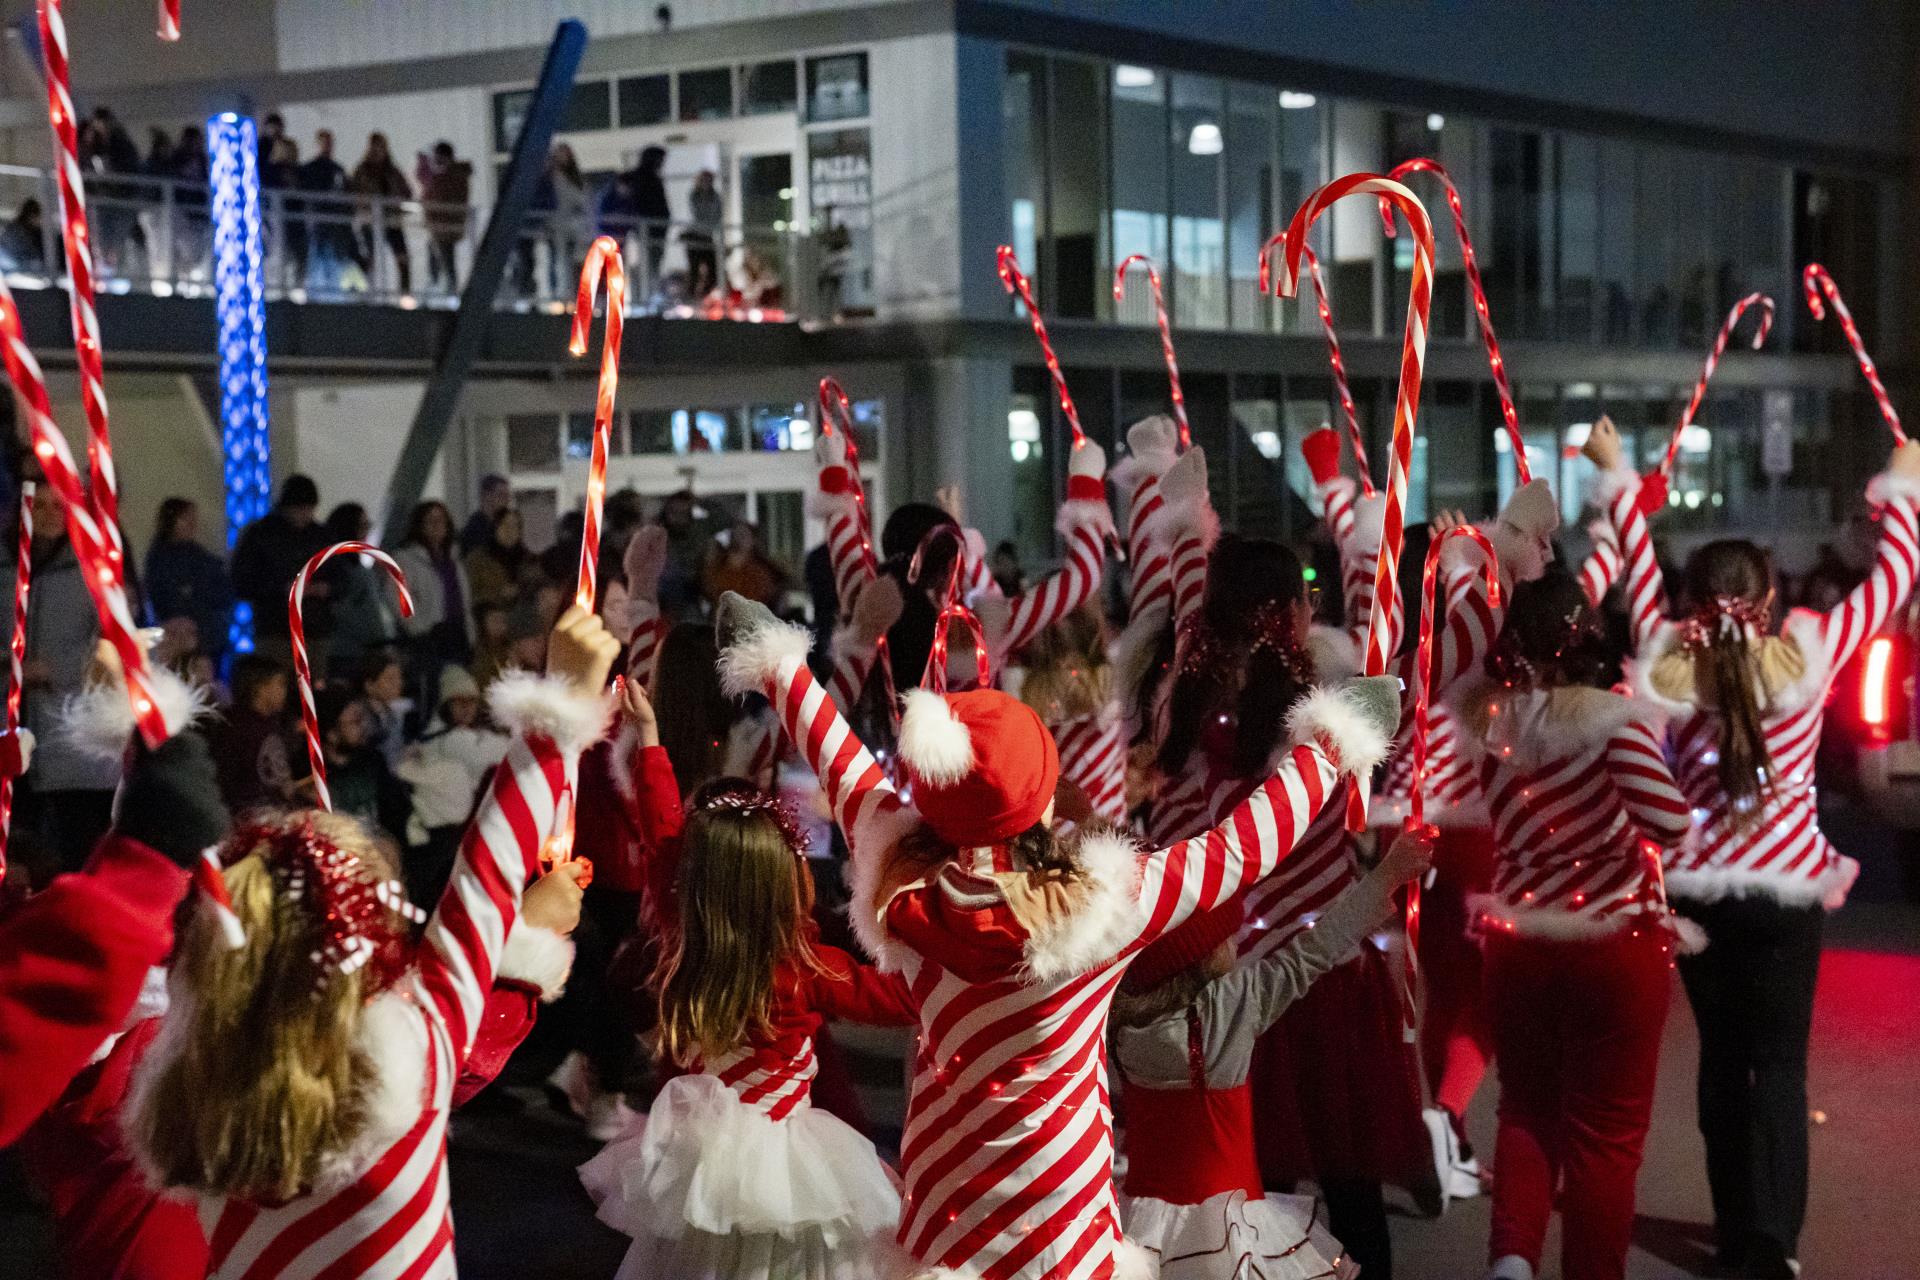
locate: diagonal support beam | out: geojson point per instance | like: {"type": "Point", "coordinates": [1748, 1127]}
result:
{"type": "Point", "coordinates": [469, 330]}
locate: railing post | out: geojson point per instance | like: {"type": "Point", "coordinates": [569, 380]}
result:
{"type": "Point", "coordinates": [163, 251]}
{"type": "Point", "coordinates": [51, 248]}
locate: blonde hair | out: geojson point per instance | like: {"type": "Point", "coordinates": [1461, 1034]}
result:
{"type": "Point", "coordinates": [258, 1078]}
{"type": "Point", "coordinates": [746, 903]}
{"type": "Point", "coordinates": [1067, 673]}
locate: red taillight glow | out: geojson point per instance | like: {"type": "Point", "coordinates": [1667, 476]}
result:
{"type": "Point", "coordinates": [1876, 692]}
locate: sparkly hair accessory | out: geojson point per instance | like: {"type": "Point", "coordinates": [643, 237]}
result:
{"type": "Point", "coordinates": [361, 921]}
{"type": "Point", "coordinates": [1726, 617]}
{"type": "Point", "coordinates": [1517, 671]}
{"type": "Point", "coordinates": [1201, 647]}
{"type": "Point", "coordinates": [750, 802]}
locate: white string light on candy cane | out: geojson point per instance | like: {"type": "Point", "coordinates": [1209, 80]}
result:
{"type": "Point", "coordinates": [1406, 406]}
{"type": "Point", "coordinates": [1016, 282]}
{"type": "Point", "coordinates": [1481, 314]}
{"type": "Point", "coordinates": [17, 655]}
{"type": "Point", "coordinates": [302, 670]}
{"type": "Point", "coordinates": [1341, 389]}
{"type": "Point", "coordinates": [1720, 342]}
{"type": "Point", "coordinates": [1166, 335]}
{"type": "Point", "coordinates": [603, 262]}
{"type": "Point", "coordinates": [169, 20]}
{"type": "Point", "coordinates": [836, 409]}
{"type": "Point", "coordinates": [951, 608]}
{"type": "Point", "coordinates": [1815, 279]}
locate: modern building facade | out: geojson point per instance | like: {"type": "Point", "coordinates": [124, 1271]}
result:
{"type": "Point", "coordinates": [1627, 172]}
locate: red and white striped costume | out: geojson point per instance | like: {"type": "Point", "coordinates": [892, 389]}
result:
{"type": "Point", "coordinates": [1778, 851]}
{"type": "Point", "coordinates": [1093, 756]}
{"type": "Point", "coordinates": [1008, 1147]}
{"type": "Point", "coordinates": [1601, 569]}
{"type": "Point", "coordinates": [387, 1216]}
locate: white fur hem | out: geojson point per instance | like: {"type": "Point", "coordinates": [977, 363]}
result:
{"type": "Point", "coordinates": [1551, 924]}
{"type": "Point", "coordinates": [934, 743]}
{"type": "Point", "coordinates": [1369, 523]}
{"type": "Point", "coordinates": [1109, 918]}
{"type": "Point", "coordinates": [527, 704]}
{"type": "Point", "coordinates": [755, 659]}
{"type": "Point", "coordinates": [1714, 884]}
{"type": "Point", "coordinates": [1888, 487]}
{"type": "Point", "coordinates": [1327, 715]}
{"type": "Point", "coordinates": [539, 957]}
{"type": "Point", "coordinates": [98, 721]}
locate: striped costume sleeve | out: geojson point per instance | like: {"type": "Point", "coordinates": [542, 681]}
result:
{"type": "Point", "coordinates": [1462, 639]}
{"type": "Point", "coordinates": [1638, 765]}
{"type": "Point", "coordinates": [1190, 556]}
{"type": "Point", "coordinates": [1868, 606]}
{"type": "Point", "coordinates": [1357, 566]}
{"type": "Point", "coordinates": [643, 651]}
{"type": "Point", "coordinates": [1646, 588]}
{"type": "Point", "coordinates": [849, 539]}
{"type": "Point", "coordinates": [1064, 590]}
{"type": "Point", "coordinates": [976, 577]}
{"type": "Point", "coordinates": [857, 788]}
{"type": "Point", "coordinates": [1602, 566]}
{"type": "Point", "coordinates": [1149, 555]}
{"type": "Point", "coordinates": [1336, 508]}
{"type": "Point", "coordinates": [853, 662]}
{"type": "Point", "coordinates": [1202, 873]}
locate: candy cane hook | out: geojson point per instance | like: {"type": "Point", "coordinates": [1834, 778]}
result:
{"type": "Point", "coordinates": [1016, 282]}
{"type": "Point", "coordinates": [1481, 314]}
{"type": "Point", "coordinates": [1342, 390]}
{"type": "Point", "coordinates": [603, 262]}
{"type": "Point", "coordinates": [1815, 279]}
{"type": "Point", "coordinates": [303, 673]}
{"type": "Point", "coordinates": [1713, 360]}
{"type": "Point", "coordinates": [170, 20]}
{"type": "Point", "coordinates": [1166, 335]}
{"type": "Point", "coordinates": [837, 410]}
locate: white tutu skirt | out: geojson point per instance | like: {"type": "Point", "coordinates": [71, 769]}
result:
{"type": "Point", "coordinates": [1276, 1238]}
{"type": "Point", "coordinates": [712, 1189]}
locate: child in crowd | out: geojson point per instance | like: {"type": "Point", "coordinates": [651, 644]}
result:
{"type": "Point", "coordinates": [446, 770]}
{"type": "Point", "coordinates": [249, 740]}
{"type": "Point", "coordinates": [358, 779]}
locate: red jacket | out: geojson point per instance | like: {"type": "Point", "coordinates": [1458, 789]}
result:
{"type": "Point", "coordinates": [606, 823]}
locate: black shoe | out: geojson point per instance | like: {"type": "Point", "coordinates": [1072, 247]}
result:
{"type": "Point", "coordinates": [1768, 1261]}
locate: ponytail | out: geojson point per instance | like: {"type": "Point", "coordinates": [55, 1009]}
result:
{"type": "Point", "coordinates": [1732, 583]}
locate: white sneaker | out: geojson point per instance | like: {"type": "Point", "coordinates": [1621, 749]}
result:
{"type": "Point", "coordinates": [1511, 1267]}
{"type": "Point", "coordinates": [1458, 1173]}
{"type": "Point", "coordinates": [608, 1116]}
{"type": "Point", "coordinates": [573, 1081]}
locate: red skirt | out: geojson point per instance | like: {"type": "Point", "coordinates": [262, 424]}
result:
{"type": "Point", "coordinates": [1336, 1087]}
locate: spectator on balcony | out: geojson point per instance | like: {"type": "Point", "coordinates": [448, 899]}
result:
{"type": "Point", "coordinates": [650, 206]}
{"type": "Point", "coordinates": [107, 148]}
{"type": "Point", "coordinates": [272, 130]}
{"type": "Point", "coordinates": [702, 239]}
{"type": "Point", "coordinates": [560, 203]}
{"type": "Point", "coordinates": [284, 159]}
{"type": "Point", "coordinates": [332, 236]}
{"type": "Point", "coordinates": [270, 554]}
{"type": "Point", "coordinates": [496, 495]}
{"type": "Point", "coordinates": [379, 179]}
{"type": "Point", "coordinates": [757, 283]}
{"type": "Point", "coordinates": [446, 184]}
{"type": "Point", "coordinates": [185, 580]}
{"type": "Point", "coordinates": [23, 245]}
{"type": "Point", "coordinates": [159, 162]}
{"type": "Point", "coordinates": [191, 238]}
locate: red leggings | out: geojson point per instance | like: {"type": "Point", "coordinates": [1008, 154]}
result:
{"type": "Point", "coordinates": [1577, 1026]}
{"type": "Point", "coordinates": [1456, 1044]}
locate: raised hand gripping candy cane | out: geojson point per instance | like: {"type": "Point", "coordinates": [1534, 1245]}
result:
{"type": "Point", "coordinates": [1713, 362]}
{"type": "Point", "coordinates": [17, 657]}
{"type": "Point", "coordinates": [1481, 314]}
{"type": "Point", "coordinates": [1166, 335]}
{"type": "Point", "coordinates": [303, 673]}
{"type": "Point", "coordinates": [1406, 408]}
{"type": "Point", "coordinates": [1341, 389]}
{"type": "Point", "coordinates": [1815, 279]}
{"type": "Point", "coordinates": [603, 261]}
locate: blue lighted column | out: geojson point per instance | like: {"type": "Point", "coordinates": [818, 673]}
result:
{"type": "Point", "coordinates": [240, 304]}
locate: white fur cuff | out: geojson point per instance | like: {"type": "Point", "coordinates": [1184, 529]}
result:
{"type": "Point", "coordinates": [527, 704]}
{"type": "Point", "coordinates": [1606, 486]}
{"type": "Point", "coordinates": [539, 957]}
{"type": "Point", "coordinates": [1079, 513]}
{"type": "Point", "coordinates": [1523, 558]}
{"type": "Point", "coordinates": [1888, 487]}
{"type": "Point", "coordinates": [1369, 524]}
{"type": "Point", "coordinates": [753, 661]}
{"type": "Point", "coordinates": [1342, 726]}
{"type": "Point", "coordinates": [98, 721]}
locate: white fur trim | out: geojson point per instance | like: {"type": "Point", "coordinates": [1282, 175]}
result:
{"type": "Point", "coordinates": [621, 761]}
{"type": "Point", "coordinates": [539, 957]}
{"type": "Point", "coordinates": [98, 721]}
{"type": "Point", "coordinates": [1184, 487]}
{"type": "Point", "coordinates": [1110, 917]}
{"type": "Point", "coordinates": [1327, 715]}
{"type": "Point", "coordinates": [527, 704]}
{"type": "Point", "coordinates": [1534, 726]}
{"type": "Point", "coordinates": [1335, 654]}
{"type": "Point", "coordinates": [1715, 883]}
{"type": "Point", "coordinates": [23, 736]}
{"type": "Point", "coordinates": [1888, 487]}
{"type": "Point", "coordinates": [1369, 523]}
{"type": "Point", "coordinates": [1605, 486]}
{"type": "Point", "coordinates": [822, 505]}
{"type": "Point", "coordinates": [755, 659]}
{"type": "Point", "coordinates": [1801, 628]}
{"type": "Point", "coordinates": [1521, 556]}
{"type": "Point", "coordinates": [875, 836]}
{"type": "Point", "coordinates": [1131, 652]}
{"type": "Point", "coordinates": [1392, 811]}
{"type": "Point", "coordinates": [933, 742]}
{"type": "Point", "coordinates": [1551, 924]}
{"type": "Point", "coordinates": [1688, 936]}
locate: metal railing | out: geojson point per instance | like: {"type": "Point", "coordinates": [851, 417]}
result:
{"type": "Point", "coordinates": [154, 235]}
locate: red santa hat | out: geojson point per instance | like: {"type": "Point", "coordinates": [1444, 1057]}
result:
{"type": "Point", "coordinates": [982, 764]}
{"type": "Point", "coordinates": [1176, 952]}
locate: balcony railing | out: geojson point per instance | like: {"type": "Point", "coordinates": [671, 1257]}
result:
{"type": "Point", "coordinates": [155, 236]}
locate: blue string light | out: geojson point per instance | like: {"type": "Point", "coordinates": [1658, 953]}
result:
{"type": "Point", "coordinates": [240, 305]}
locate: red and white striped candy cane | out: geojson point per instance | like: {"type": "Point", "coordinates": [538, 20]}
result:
{"type": "Point", "coordinates": [1815, 278]}
{"type": "Point", "coordinates": [1481, 314]}
{"type": "Point", "coordinates": [1016, 282]}
{"type": "Point", "coordinates": [1166, 334]}
{"type": "Point", "coordinates": [1720, 342]}
{"type": "Point", "coordinates": [1339, 367]}
{"type": "Point", "coordinates": [104, 485]}
{"type": "Point", "coordinates": [1406, 405]}
{"type": "Point", "coordinates": [837, 411]}
{"type": "Point", "coordinates": [936, 676]}
{"type": "Point", "coordinates": [17, 654]}
{"type": "Point", "coordinates": [302, 669]}
{"type": "Point", "coordinates": [603, 261]}
{"type": "Point", "coordinates": [170, 20]}
{"type": "Point", "coordinates": [100, 568]}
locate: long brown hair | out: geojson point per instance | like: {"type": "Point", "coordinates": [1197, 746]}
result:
{"type": "Point", "coordinates": [1725, 668]}
{"type": "Point", "coordinates": [263, 1079]}
{"type": "Point", "coordinates": [1067, 674]}
{"type": "Point", "coordinates": [695, 715]}
{"type": "Point", "coordinates": [745, 902]}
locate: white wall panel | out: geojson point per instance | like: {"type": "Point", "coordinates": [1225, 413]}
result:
{"type": "Point", "coordinates": [916, 193]}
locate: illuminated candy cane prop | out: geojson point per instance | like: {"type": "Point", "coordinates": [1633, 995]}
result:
{"type": "Point", "coordinates": [169, 20]}
{"type": "Point", "coordinates": [104, 485]}
{"type": "Point", "coordinates": [1816, 279]}
{"type": "Point", "coordinates": [100, 566]}
{"type": "Point", "coordinates": [1406, 406]}
{"type": "Point", "coordinates": [1713, 361]}
{"type": "Point", "coordinates": [935, 676]}
{"type": "Point", "coordinates": [1166, 334]}
{"type": "Point", "coordinates": [1333, 351]}
{"type": "Point", "coordinates": [17, 654]}
{"type": "Point", "coordinates": [1016, 281]}
{"type": "Point", "coordinates": [1481, 314]}
{"type": "Point", "coordinates": [837, 411]}
{"type": "Point", "coordinates": [603, 261]}
{"type": "Point", "coordinates": [302, 670]}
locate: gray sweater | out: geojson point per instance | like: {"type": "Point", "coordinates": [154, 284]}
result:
{"type": "Point", "coordinates": [1238, 1006]}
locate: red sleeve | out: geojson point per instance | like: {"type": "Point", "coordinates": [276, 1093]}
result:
{"type": "Point", "coordinates": [505, 1021]}
{"type": "Point", "coordinates": [855, 992]}
{"type": "Point", "coordinates": [72, 960]}
{"type": "Point", "coordinates": [657, 813]}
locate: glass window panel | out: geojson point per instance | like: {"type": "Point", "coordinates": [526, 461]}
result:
{"type": "Point", "coordinates": [782, 527]}
{"type": "Point", "coordinates": [579, 437]}
{"type": "Point", "coordinates": [768, 88]}
{"type": "Point", "coordinates": [1252, 139]}
{"type": "Point", "coordinates": [1028, 414]}
{"type": "Point", "coordinates": [1196, 144]}
{"type": "Point", "coordinates": [589, 106]}
{"type": "Point", "coordinates": [1303, 170]}
{"type": "Point", "coordinates": [1078, 277]}
{"type": "Point", "coordinates": [1354, 265]}
{"type": "Point", "coordinates": [1655, 212]}
{"type": "Point", "coordinates": [533, 442]}
{"type": "Point", "coordinates": [837, 87]}
{"type": "Point", "coordinates": [1412, 135]}
{"type": "Point", "coordinates": [1616, 240]}
{"type": "Point", "coordinates": [1449, 416]}
{"type": "Point", "coordinates": [1539, 407]}
{"type": "Point", "coordinates": [509, 114]}
{"type": "Point", "coordinates": [1139, 167]}
{"type": "Point", "coordinates": [1093, 391]}
{"type": "Point", "coordinates": [1511, 261]}
{"type": "Point", "coordinates": [645, 100]}
{"type": "Point", "coordinates": [1696, 194]}
{"type": "Point", "coordinates": [1579, 239]}
{"type": "Point", "coordinates": [1023, 159]}
{"type": "Point", "coordinates": [706, 95]}
{"type": "Point", "coordinates": [652, 431]}
{"type": "Point", "coordinates": [539, 514]}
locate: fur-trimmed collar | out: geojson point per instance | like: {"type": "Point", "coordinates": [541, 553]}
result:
{"type": "Point", "coordinates": [1792, 668]}
{"type": "Point", "coordinates": [1531, 727]}
{"type": "Point", "coordinates": [1090, 918]}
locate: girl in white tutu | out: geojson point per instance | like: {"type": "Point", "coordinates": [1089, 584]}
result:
{"type": "Point", "coordinates": [733, 1175]}
{"type": "Point", "coordinates": [1186, 1021]}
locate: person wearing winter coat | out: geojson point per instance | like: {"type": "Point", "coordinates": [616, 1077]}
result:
{"type": "Point", "coordinates": [185, 580]}
{"type": "Point", "coordinates": [446, 770]}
